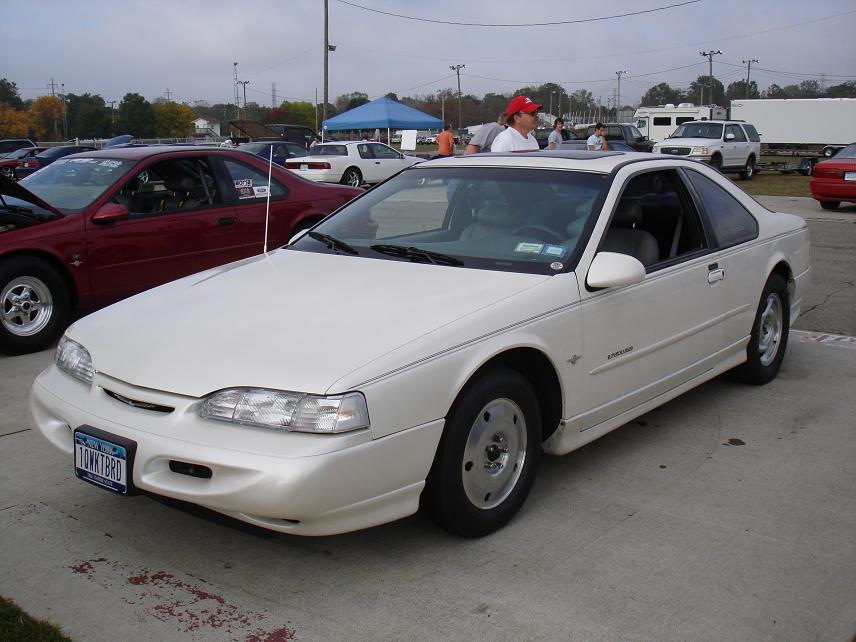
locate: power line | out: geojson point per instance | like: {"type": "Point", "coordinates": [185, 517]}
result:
{"type": "Point", "coordinates": [529, 24]}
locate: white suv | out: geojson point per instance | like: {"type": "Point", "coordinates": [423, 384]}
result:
{"type": "Point", "coordinates": [727, 145]}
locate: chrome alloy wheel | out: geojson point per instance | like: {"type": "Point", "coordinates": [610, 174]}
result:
{"type": "Point", "coordinates": [494, 454]}
{"type": "Point", "coordinates": [27, 306]}
{"type": "Point", "coordinates": [770, 329]}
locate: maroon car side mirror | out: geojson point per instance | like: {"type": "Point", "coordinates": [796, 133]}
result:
{"type": "Point", "coordinates": [110, 213]}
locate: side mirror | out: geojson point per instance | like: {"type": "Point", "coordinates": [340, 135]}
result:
{"type": "Point", "coordinates": [729, 137]}
{"type": "Point", "coordinates": [110, 213]}
{"type": "Point", "coordinates": [612, 270]}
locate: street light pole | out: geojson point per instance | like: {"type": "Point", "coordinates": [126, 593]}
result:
{"type": "Point", "coordinates": [457, 70]}
{"type": "Point", "coordinates": [748, 69]}
{"type": "Point", "coordinates": [709, 55]}
{"type": "Point", "coordinates": [442, 93]}
{"type": "Point", "coordinates": [235, 83]}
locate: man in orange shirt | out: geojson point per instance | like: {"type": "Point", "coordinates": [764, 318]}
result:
{"type": "Point", "coordinates": [446, 142]}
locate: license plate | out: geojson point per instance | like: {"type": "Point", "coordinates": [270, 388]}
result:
{"type": "Point", "coordinates": [303, 166]}
{"type": "Point", "coordinates": [850, 176]}
{"type": "Point", "coordinates": [103, 459]}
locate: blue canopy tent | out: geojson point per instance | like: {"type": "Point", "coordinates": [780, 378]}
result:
{"type": "Point", "coordinates": [382, 113]}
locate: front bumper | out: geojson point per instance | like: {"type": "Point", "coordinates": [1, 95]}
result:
{"type": "Point", "coordinates": [298, 483]}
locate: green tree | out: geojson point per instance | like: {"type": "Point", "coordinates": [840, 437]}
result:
{"type": "Point", "coordinates": [393, 96]}
{"type": "Point", "coordinates": [88, 116]}
{"type": "Point", "coordinates": [136, 116]}
{"type": "Point", "coordinates": [46, 117]}
{"type": "Point", "coordinates": [172, 119]}
{"type": "Point", "coordinates": [703, 83]}
{"type": "Point", "coordinates": [661, 94]}
{"type": "Point", "coordinates": [774, 91]}
{"type": "Point", "coordinates": [9, 94]}
{"type": "Point", "coordinates": [737, 90]}
{"type": "Point", "coordinates": [298, 113]}
{"type": "Point", "coordinates": [844, 90]}
{"type": "Point", "coordinates": [349, 101]}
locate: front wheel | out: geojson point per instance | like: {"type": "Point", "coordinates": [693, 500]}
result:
{"type": "Point", "coordinates": [352, 177]}
{"type": "Point", "coordinates": [748, 170]}
{"type": "Point", "coordinates": [716, 162]}
{"type": "Point", "coordinates": [34, 305]}
{"type": "Point", "coordinates": [769, 337]}
{"type": "Point", "coordinates": [487, 458]}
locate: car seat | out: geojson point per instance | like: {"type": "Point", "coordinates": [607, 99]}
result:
{"type": "Point", "coordinates": [490, 221]}
{"type": "Point", "coordinates": [624, 237]}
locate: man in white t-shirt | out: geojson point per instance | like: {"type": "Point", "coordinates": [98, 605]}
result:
{"type": "Point", "coordinates": [597, 141]}
{"type": "Point", "coordinates": [522, 118]}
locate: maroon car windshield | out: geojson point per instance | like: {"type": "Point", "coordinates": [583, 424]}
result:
{"type": "Point", "coordinates": [72, 184]}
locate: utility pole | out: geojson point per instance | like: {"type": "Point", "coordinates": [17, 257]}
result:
{"type": "Point", "coordinates": [327, 49]}
{"type": "Point", "coordinates": [457, 70]}
{"type": "Point", "coordinates": [112, 115]}
{"type": "Point", "coordinates": [244, 83]}
{"type": "Point", "coordinates": [168, 94]}
{"type": "Point", "coordinates": [618, 94]}
{"type": "Point", "coordinates": [273, 95]}
{"type": "Point", "coordinates": [709, 55]}
{"type": "Point", "coordinates": [316, 109]}
{"type": "Point", "coordinates": [551, 102]}
{"type": "Point", "coordinates": [748, 69]}
{"type": "Point", "coordinates": [235, 85]}
{"type": "Point", "coordinates": [442, 93]}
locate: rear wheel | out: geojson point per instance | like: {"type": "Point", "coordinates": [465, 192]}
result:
{"type": "Point", "coordinates": [749, 169]}
{"type": "Point", "coordinates": [769, 337]}
{"type": "Point", "coordinates": [352, 177]}
{"type": "Point", "coordinates": [34, 305]}
{"type": "Point", "coordinates": [486, 461]}
{"type": "Point", "coordinates": [830, 205]}
{"type": "Point", "coordinates": [8, 172]}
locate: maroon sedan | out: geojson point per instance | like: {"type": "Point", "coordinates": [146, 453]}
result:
{"type": "Point", "coordinates": [13, 160]}
{"type": "Point", "coordinates": [96, 227]}
{"type": "Point", "coordinates": [834, 180]}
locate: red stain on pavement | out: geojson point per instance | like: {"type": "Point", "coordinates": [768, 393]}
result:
{"type": "Point", "coordinates": [85, 568]}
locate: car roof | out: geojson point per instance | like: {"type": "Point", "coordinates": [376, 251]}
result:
{"type": "Point", "coordinates": [139, 153]}
{"type": "Point", "coordinates": [603, 162]}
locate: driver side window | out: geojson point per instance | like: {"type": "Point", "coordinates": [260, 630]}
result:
{"type": "Point", "coordinates": [176, 185]}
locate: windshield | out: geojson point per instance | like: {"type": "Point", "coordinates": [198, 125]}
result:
{"type": "Point", "coordinates": [506, 219]}
{"type": "Point", "coordinates": [847, 152]}
{"type": "Point", "coordinates": [328, 150]}
{"type": "Point", "coordinates": [255, 148]}
{"type": "Point", "coordinates": [19, 153]}
{"type": "Point", "coordinates": [698, 130]}
{"type": "Point", "coordinates": [71, 184]}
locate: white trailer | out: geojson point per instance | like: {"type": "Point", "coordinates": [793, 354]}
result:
{"type": "Point", "coordinates": [658, 123]}
{"type": "Point", "coordinates": [819, 124]}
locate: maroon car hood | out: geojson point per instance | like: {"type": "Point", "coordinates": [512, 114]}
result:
{"type": "Point", "coordinates": [11, 188]}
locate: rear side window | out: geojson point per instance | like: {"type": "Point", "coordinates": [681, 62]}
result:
{"type": "Point", "coordinates": [731, 222]}
{"type": "Point", "coordinates": [663, 121]}
{"type": "Point", "coordinates": [250, 183]}
{"type": "Point", "coordinates": [328, 150]}
{"type": "Point", "coordinates": [752, 133]}
{"type": "Point", "coordinates": [680, 120]}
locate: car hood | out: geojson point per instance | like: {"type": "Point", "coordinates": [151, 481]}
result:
{"type": "Point", "coordinates": [688, 142]}
{"type": "Point", "coordinates": [11, 188]}
{"type": "Point", "coordinates": [288, 320]}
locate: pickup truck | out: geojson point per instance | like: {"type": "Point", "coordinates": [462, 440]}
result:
{"type": "Point", "coordinates": [627, 134]}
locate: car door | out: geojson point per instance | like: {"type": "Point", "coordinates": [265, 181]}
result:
{"type": "Point", "coordinates": [367, 163]}
{"type": "Point", "coordinates": [178, 224]}
{"type": "Point", "coordinates": [645, 339]}
{"type": "Point", "coordinates": [390, 160]}
{"type": "Point", "coordinates": [737, 149]}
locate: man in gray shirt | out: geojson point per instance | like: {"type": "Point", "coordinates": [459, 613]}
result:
{"type": "Point", "coordinates": [554, 140]}
{"type": "Point", "coordinates": [484, 137]}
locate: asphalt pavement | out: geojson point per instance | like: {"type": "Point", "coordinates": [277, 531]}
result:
{"type": "Point", "coordinates": [727, 514]}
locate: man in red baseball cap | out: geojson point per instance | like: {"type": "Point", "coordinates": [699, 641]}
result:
{"type": "Point", "coordinates": [522, 118]}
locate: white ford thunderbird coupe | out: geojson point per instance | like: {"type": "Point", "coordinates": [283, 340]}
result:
{"type": "Point", "coordinates": [351, 163]}
{"type": "Point", "coordinates": [425, 344]}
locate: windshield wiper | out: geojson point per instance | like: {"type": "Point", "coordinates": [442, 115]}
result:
{"type": "Point", "coordinates": [333, 243]}
{"type": "Point", "coordinates": [417, 254]}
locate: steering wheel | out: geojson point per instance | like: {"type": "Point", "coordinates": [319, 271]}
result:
{"type": "Point", "coordinates": [543, 233]}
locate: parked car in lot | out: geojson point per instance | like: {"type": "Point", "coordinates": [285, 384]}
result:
{"type": "Point", "coordinates": [11, 144]}
{"type": "Point", "coordinates": [97, 227]}
{"type": "Point", "coordinates": [834, 180]}
{"type": "Point", "coordinates": [352, 163]}
{"type": "Point", "coordinates": [729, 146]}
{"type": "Point", "coordinates": [281, 151]}
{"type": "Point", "coordinates": [625, 133]}
{"type": "Point", "coordinates": [48, 156]}
{"type": "Point", "coordinates": [13, 160]}
{"type": "Point", "coordinates": [581, 144]}
{"type": "Point", "coordinates": [427, 341]}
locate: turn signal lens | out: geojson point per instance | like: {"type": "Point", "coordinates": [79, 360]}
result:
{"type": "Point", "coordinates": [73, 359]}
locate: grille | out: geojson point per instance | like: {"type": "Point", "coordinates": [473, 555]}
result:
{"type": "Point", "coordinates": [675, 151]}
{"type": "Point", "coordinates": [136, 403]}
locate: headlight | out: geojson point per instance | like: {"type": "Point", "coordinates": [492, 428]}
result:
{"type": "Point", "coordinates": [700, 151]}
{"type": "Point", "coordinates": [289, 411]}
{"type": "Point", "coordinates": [73, 359]}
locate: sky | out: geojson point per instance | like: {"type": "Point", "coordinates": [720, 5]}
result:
{"type": "Point", "coordinates": [186, 49]}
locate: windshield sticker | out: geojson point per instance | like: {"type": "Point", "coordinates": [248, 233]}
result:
{"type": "Point", "coordinates": [246, 192]}
{"type": "Point", "coordinates": [260, 190]}
{"type": "Point", "coordinates": [82, 160]}
{"type": "Point", "coordinates": [530, 248]}
{"type": "Point", "coordinates": [554, 250]}
{"type": "Point", "coordinates": [110, 163]}
{"type": "Point", "coordinates": [556, 266]}
{"type": "Point", "coordinates": [243, 182]}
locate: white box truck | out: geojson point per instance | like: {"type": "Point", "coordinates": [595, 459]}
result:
{"type": "Point", "coordinates": [820, 125]}
{"type": "Point", "coordinates": [657, 123]}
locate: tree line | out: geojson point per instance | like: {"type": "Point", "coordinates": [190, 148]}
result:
{"type": "Point", "coordinates": [89, 116]}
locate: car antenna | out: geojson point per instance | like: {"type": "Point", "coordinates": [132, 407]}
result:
{"type": "Point", "coordinates": [267, 206]}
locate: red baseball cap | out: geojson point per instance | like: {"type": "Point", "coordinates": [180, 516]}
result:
{"type": "Point", "coordinates": [521, 103]}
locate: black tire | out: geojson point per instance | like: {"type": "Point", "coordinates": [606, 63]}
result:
{"type": "Point", "coordinates": [748, 170]}
{"type": "Point", "coordinates": [496, 411]}
{"type": "Point", "coordinates": [8, 172]}
{"type": "Point", "coordinates": [352, 177]}
{"type": "Point", "coordinates": [716, 162]}
{"type": "Point", "coordinates": [828, 152]}
{"type": "Point", "coordinates": [830, 205]}
{"type": "Point", "coordinates": [34, 304]}
{"type": "Point", "coordinates": [769, 338]}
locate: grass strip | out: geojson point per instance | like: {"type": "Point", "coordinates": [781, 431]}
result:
{"type": "Point", "coordinates": [17, 626]}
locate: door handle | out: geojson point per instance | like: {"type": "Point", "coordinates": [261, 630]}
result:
{"type": "Point", "coordinates": [715, 275]}
{"type": "Point", "coordinates": [226, 221]}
